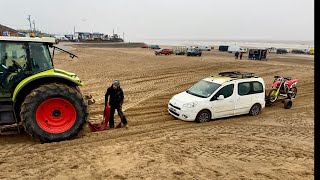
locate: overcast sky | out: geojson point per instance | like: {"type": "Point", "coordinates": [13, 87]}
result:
{"type": "Point", "coordinates": [168, 19]}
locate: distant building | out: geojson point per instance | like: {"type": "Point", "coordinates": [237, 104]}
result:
{"type": "Point", "coordinates": [6, 31]}
{"type": "Point", "coordinates": [83, 36]}
{"type": "Point", "coordinates": [69, 36]}
{"type": "Point", "coordinates": [116, 38]}
{"type": "Point", "coordinates": [97, 36]}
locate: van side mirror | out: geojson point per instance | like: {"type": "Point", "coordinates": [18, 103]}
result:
{"type": "Point", "coordinates": [221, 97]}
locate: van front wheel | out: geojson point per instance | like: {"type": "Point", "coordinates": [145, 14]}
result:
{"type": "Point", "coordinates": [203, 116]}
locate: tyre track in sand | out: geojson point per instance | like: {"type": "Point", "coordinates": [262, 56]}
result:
{"type": "Point", "coordinates": [155, 139]}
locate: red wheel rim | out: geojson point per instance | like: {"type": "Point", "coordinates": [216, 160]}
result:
{"type": "Point", "coordinates": [56, 115]}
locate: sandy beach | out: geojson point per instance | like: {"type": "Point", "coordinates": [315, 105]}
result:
{"type": "Point", "coordinates": [276, 144]}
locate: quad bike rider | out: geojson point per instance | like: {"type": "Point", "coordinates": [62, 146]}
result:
{"type": "Point", "coordinates": [47, 102]}
{"type": "Point", "coordinates": [284, 86]}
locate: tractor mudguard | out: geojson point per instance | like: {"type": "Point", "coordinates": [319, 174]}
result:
{"type": "Point", "coordinates": [52, 74]}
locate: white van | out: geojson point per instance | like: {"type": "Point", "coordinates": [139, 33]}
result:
{"type": "Point", "coordinates": [223, 95]}
{"type": "Point", "coordinates": [235, 48]}
{"type": "Point", "coordinates": [203, 48]}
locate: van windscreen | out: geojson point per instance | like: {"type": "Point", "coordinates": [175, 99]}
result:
{"type": "Point", "coordinates": [203, 88]}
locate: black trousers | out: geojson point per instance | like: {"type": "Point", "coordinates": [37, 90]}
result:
{"type": "Point", "coordinates": [120, 113]}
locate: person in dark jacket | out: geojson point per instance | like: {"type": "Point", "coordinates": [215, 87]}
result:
{"type": "Point", "coordinates": [236, 55]}
{"type": "Point", "coordinates": [116, 100]}
{"type": "Point", "coordinates": [241, 53]}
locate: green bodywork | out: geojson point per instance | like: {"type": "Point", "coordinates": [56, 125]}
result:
{"type": "Point", "coordinates": [49, 73]}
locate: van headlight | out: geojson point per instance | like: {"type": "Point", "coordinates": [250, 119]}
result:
{"type": "Point", "coordinates": [190, 105]}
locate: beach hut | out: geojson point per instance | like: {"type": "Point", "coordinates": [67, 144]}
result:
{"type": "Point", "coordinates": [257, 54]}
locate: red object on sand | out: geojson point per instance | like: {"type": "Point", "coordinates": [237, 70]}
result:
{"type": "Point", "coordinates": [103, 125]}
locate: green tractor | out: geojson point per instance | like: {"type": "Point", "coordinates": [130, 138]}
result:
{"type": "Point", "coordinates": [45, 101]}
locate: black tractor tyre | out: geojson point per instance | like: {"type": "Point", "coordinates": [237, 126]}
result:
{"type": "Point", "coordinates": [287, 103]}
{"type": "Point", "coordinates": [203, 116]}
{"type": "Point", "coordinates": [42, 94]}
{"type": "Point", "coordinates": [255, 109]}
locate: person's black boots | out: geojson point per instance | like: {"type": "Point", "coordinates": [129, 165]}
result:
{"type": "Point", "coordinates": [124, 121]}
{"type": "Point", "coordinates": [111, 126]}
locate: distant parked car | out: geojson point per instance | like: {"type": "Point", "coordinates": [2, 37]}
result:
{"type": "Point", "coordinates": [236, 48]}
{"type": "Point", "coordinates": [223, 48]}
{"type": "Point", "coordinates": [311, 51]}
{"type": "Point", "coordinates": [282, 51]}
{"type": "Point", "coordinates": [298, 51]}
{"type": "Point", "coordinates": [203, 48]}
{"type": "Point", "coordinates": [61, 38]}
{"type": "Point", "coordinates": [163, 51]}
{"type": "Point", "coordinates": [272, 50]}
{"type": "Point", "coordinates": [145, 46]}
{"type": "Point", "coordinates": [194, 52]}
{"type": "Point", "coordinates": [155, 47]}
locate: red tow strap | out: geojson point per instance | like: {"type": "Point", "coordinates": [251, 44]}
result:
{"type": "Point", "coordinates": [103, 125]}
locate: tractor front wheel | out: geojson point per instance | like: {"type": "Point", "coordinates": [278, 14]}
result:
{"type": "Point", "coordinates": [54, 112]}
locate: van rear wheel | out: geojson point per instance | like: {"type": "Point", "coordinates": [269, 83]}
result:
{"type": "Point", "coordinates": [255, 110]}
{"type": "Point", "coordinates": [203, 116]}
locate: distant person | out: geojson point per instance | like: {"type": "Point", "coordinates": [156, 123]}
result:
{"type": "Point", "coordinates": [236, 55]}
{"type": "Point", "coordinates": [241, 55]}
{"type": "Point", "coordinates": [116, 100]}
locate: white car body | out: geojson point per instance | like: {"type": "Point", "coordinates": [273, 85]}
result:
{"type": "Point", "coordinates": [61, 37]}
{"type": "Point", "coordinates": [272, 50]}
{"type": "Point", "coordinates": [203, 48]}
{"type": "Point", "coordinates": [186, 106]}
{"type": "Point", "coordinates": [235, 48]}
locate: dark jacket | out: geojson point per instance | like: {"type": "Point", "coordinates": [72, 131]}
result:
{"type": "Point", "coordinates": [116, 96]}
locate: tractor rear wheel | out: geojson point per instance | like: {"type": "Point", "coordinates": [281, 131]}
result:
{"type": "Point", "coordinates": [54, 112]}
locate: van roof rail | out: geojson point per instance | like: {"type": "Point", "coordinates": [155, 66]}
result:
{"type": "Point", "coordinates": [237, 74]}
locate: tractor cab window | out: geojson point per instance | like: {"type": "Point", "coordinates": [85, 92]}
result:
{"type": "Point", "coordinates": [13, 63]}
{"type": "Point", "coordinates": [40, 57]}
{"type": "Point", "coordinates": [12, 54]}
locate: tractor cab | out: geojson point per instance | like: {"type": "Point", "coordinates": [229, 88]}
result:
{"type": "Point", "coordinates": [20, 59]}
{"type": "Point", "coordinates": [45, 101]}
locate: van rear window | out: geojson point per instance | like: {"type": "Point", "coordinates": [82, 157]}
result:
{"type": "Point", "coordinates": [247, 88]}
{"type": "Point", "coordinates": [257, 87]}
